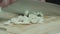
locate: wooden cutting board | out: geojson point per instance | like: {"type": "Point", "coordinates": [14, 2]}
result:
{"type": "Point", "coordinates": [52, 23]}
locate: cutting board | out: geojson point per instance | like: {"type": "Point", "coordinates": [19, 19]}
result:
{"type": "Point", "coordinates": [52, 24]}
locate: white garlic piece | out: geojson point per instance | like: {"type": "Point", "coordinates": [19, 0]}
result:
{"type": "Point", "coordinates": [22, 20]}
{"type": "Point", "coordinates": [41, 20]}
{"type": "Point", "coordinates": [13, 20]}
{"type": "Point", "coordinates": [26, 20]}
{"type": "Point", "coordinates": [33, 18]}
{"type": "Point", "coordinates": [34, 21]}
{"type": "Point", "coordinates": [17, 22]}
{"type": "Point", "coordinates": [26, 13]}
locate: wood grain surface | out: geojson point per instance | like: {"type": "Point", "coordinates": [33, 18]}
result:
{"type": "Point", "coordinates": [51, 24]}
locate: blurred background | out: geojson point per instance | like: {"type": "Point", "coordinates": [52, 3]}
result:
{"type": "Point", "coordinates": [11, 8]}
{"type": "Point", "coordinates": [7, 2]}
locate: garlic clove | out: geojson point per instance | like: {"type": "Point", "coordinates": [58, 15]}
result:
{"type": "Point", "coordinates": [41, 20]}
{"type": "Point", "coordinates": [26, 20]}
{"type": "Point", "coordinates": [34, 21]}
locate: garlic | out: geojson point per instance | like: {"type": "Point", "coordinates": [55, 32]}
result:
{"type": "Point", "coordinates": [41, 20]}
{"type": "Point", "coordinates": [26, 13]}
{"type": "Point", "coordinates": [26, 20]}
{"type": "Point", "coordinates": [33, 18]}
{"type": "Point", "coordinates": [34, 21]}
{"type": "Point", "coordinates": [18, 20]}
{"type": "Point", "coordinates": [13, 20]}
{"type": "Point", "coordinates": [21, 20]}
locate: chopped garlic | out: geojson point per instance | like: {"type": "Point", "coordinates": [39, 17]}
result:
{"type": "Point", "coordinates": [26, 20]}
{"type": "Point", "coordinates": [41, 20]}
